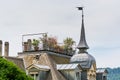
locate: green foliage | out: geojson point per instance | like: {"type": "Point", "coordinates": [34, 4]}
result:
{"type": "Point", "coordinates": [9, 71]}
{"type": "Point", "coordinates": [51, 43]}
{"type": "Point", "coordinates": [35, 42]}
{"type": "Point", "coordinates": [68, 43]}
{"type": "Point", "coordinates": [114, 74]}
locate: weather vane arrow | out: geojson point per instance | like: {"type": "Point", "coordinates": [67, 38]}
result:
{"type": "Point", "coordinates": [81, 8]}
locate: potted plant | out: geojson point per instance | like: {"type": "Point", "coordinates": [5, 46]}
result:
{"type": "Point", "coordinates": [68, 43]}
{"type": "Point", "coordinates": [35, 43]}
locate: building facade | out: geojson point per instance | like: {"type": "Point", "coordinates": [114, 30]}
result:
{"type": "Point", "coordinates": [46, 64]}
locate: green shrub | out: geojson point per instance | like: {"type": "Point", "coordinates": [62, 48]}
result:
{"type": "Point", "coordinates": [9, 71]}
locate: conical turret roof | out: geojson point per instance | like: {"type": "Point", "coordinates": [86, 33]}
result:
{"type": "Point", "coordinates": [82, 43]}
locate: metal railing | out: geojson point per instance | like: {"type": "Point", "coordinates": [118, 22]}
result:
{"type": "Point", "coordinates": [28, 47]}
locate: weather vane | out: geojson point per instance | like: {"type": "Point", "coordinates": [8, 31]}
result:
{"type": "Point", "coordinates": [81, 8]}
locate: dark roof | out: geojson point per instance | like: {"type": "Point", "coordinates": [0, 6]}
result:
{"type": "Point", "coordinates": [82, 43]}
{"type": "Point", "coordinates": [84, 59]}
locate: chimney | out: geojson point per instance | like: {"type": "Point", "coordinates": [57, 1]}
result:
{"type": "Point", "coordinates": [0, 47]}
{"type": "Point", "coordinates": [25, 44]}
{"type": "Point", "coordinates": [29, 45]}
{"type": "Point", "coordinates": [6, 52]}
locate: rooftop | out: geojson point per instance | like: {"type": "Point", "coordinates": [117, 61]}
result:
{"type": "Point", "coordinates": [42, 42]}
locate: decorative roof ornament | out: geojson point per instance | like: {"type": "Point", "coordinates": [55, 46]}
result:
{"type": "Point", "coordinates": [82, 46]}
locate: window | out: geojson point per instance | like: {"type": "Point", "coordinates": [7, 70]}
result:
{"type": "Point", "coordinates": [78, 76]}
{"type": "Point", "coordinates": [104, 78]}
{"type": "Point", "coordinates": [34, 76]}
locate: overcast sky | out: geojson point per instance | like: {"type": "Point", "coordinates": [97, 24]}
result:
{"type": "Point", "coordinates": [61, 18]}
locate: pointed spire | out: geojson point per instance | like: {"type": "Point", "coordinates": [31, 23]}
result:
{"type": "Point", "coordinates": [82, 46]}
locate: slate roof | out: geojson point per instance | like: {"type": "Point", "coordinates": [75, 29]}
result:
{"type": "Point", "coordinates": [101, 70]}
{"type": "Point", "coordinates": [66, 66]}
{"type": "Point", "coordinates": [84, 59]}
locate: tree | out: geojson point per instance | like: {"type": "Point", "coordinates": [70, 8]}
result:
{"type": "Point", "coordinates": [68, 43]}
{"type": "Point", "coordinates": [9, 71]}
{"type": "Point", "coordinates": [113, 73]}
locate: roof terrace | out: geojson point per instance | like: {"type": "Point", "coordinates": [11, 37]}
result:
{"type": "Point", "coordinates": [42, 42]}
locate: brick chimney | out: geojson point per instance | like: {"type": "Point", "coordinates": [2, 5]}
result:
{"type": "Point", "coordinates": [29, 44]}
{"type": "Point", "coordinates": [0, 47]}
{"type": "Point", "coordinates": [25, 45]}
{"type": "Point", "coordinates": [6, 52]}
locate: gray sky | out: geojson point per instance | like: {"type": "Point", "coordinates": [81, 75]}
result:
{"type": "Point", "coordinates": [61, 18]}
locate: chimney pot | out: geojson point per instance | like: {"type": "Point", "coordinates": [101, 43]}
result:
{"type": "Point", "coordinates": [29, 44]}
{"type": "Point", "coordinates": [25, 46]}
{"type": "Point", "coordinates": [6, 52]}
{"type": "Point", "coordinates": [0, 47]}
